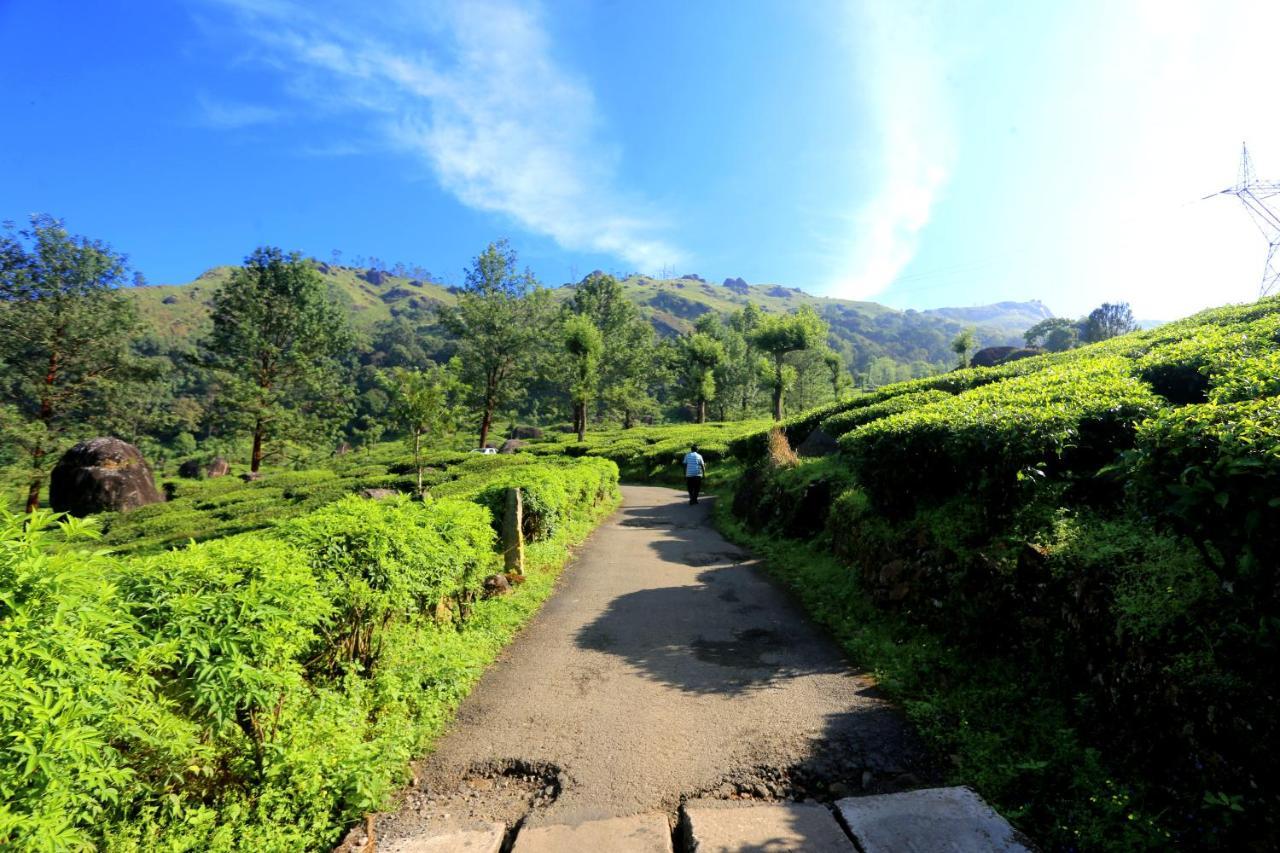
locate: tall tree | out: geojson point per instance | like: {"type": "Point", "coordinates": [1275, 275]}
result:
{"type": "Point", "coordinates": [699, 355]}
{"type": "Point", "coordinates": [1053, 333]}
{"type": "Point", "coordinates": [583, 343]}
{"type": "Point", "coordinates": [1107, 321]}
{"type": "Point", "coordinates": [500, 322]}
{"type": "Point", "coordinates": [422, 404]}
{"type": "Point", "coordinates": [781, 336]}
{"type": "Point", "coordinates": [627, 358]}
{"type": "Point", "coordinates": [275, 346]}
{"type": "Point", "coordinates": [64, 337]}
{"type": "Point", "coordinates": [963, 344]}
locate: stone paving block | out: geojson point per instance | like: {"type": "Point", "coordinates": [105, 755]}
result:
{"type": "Point", "coordinates": [955, 820]}
{"type": "Point", "coordinates": [644, 833]}
{"type": "Point", "coordinates": [718, 827]}
{"type": "Point", "coordinates": [487, 840]}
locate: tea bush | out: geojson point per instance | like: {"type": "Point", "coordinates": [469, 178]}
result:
{"type": "Point", "coordinates": [266, 688]}
{"type": "Point", "coordinates": [1098, 528]}
{"type": "Point", "coordinates": [1060, 420]}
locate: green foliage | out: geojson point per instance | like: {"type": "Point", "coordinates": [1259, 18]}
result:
{"type": "Point", "coordinates": [81, 727]}
{"type": "Point", "coordinates": [382, 562]}
{"type": "Point", "coordinates": [1079, 552]}
{"type": "Point", "coordinates": [848, 419]}
{"type": "Point", "coordinates": [782, 336]}
{"type": "Point", "coordinates": [1057, 421]}
{"type": "Point", "coordinates": [274, 345]}
{"type": "Point", "coordinates": [422, 401]}
{"type": "Point", "coordinates": [64, 335]}
{"type": "Point", "coordinates": [499, 322]}
{"type": "Point", "coordinates": [268, 686]}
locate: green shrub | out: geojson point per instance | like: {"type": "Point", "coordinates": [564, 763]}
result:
{"type": "Point", "coordinates": [82, 728]}
{"type": "Point", "coordinates": [1212, 470]}
{"type": "Point", "coordinates": [1070, 419]}
{"type": "Point", "coordinates": [380, 562]}
{"type": "Point", "coordinates": [842, 422]}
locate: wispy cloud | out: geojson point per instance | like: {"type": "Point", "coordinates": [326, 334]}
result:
{"type": "Point", "coordinates": [901, 71]}
{"type": "Point", "coordinates": [473, 90]}
{"type": "Point", "coordinates": [232, 115]}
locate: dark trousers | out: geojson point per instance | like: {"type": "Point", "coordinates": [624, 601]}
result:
{"type": "Point", "coordinates": [695, 486]}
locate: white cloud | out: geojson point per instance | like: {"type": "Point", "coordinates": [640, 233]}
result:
{"type": "Point", "coordinates": [901, 71]}
{"type": "Point", "coordinates": [474, 91]}
{"type": "Point", "coordinates": [232, 115]}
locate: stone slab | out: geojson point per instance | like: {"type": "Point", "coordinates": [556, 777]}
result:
{"type": "Point", "coordinates": [955, 820]}
{"type": "Point", "coordinates": [487, 840]}
{"type": "Point", "coordinates": [764, 828]}
{"type": "Point", "coordinates": [643, 833]}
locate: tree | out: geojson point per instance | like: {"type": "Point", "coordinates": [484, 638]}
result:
{"type": "Point", "coordinates": [64, 338]}
{"type": "Point", "coordinates": [963, 344]}
{"type": "Point", "coordinates": [1107, 321]}
{"type": "Point", "coordinates": [1055, 334]}
{"type": "Point", "coordinates": [274, 346]}
{"type": "Point", "coordinates": [500, 323]}
{"type": "Point", "coordinates": [700, 354]}
{"type": "Point", "coordinates": [627, 358]}
{"type": "Point", "coordinates": [835, 373]}
{"type": "Point", "coordinates": [583, 343]}
{"type": "Point", "coordinates": [781, 336]}
{"type": "Point", "coordinates": [422, 404]}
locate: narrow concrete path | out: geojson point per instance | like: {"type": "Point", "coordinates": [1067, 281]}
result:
{"type": "Point", "coordinates": [665, 667]}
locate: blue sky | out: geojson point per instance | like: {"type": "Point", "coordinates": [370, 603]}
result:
{"type": "Point", "coordinates": [918, 154]}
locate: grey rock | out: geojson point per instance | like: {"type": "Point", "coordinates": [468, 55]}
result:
{"type": "Point", "coordinates": [219, 467]}
{"type": "Point", "coordinates": [102, 475]}
{"type": "Point", "coordinates": [190, 469]}
{"type": "Point", "coordinates": [378, 494]}
{"type": "Point", "coordinates": [953, 819]}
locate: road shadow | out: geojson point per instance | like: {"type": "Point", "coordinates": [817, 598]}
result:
{"type": "Point", "coordinates": [725, 629]}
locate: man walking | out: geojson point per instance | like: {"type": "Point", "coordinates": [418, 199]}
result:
{"type": "Point", "coordinates": [694, 470]}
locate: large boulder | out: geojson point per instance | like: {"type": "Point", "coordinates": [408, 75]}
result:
{"type": "Point", "coordinates": [818, 443]}
{"type": "Point", "coordinates": [994, 356]}
{"type": "Point", "coordinates": [219, 467]}
{"type": "Point", "coordinates": [102, 475]}
{"type": "Point", "coordinates": [526, 432]}
{"type": "Point", "coordinates": [190, 470]}
{"type": "Point", "coordinates": [511, 445]}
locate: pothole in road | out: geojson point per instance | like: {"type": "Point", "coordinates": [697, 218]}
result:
{"type": "Point", "coordinates": [811, 782]}
{"type": "Point", "coordinates": [716, 558]}
{"type": "Point", "coordinates": [505, 791]}
{"type": "Point", "coordinates": [748, 649]}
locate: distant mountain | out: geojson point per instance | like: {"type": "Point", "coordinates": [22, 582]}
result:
{"type": "Point", "coordinates": [864, 331]}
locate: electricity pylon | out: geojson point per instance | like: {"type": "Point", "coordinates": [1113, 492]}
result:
{"type": "Point", "coordinates": [1255, 195]}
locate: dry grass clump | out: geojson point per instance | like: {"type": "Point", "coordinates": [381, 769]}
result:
{"type": "Point", "coordinates": [780, 453]}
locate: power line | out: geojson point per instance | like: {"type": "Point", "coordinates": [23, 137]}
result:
{"type": "Point", "coordinates": [1254, 194]}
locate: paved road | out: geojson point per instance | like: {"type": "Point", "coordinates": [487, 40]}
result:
{"type": "Point", "coordinates": [666, 666]}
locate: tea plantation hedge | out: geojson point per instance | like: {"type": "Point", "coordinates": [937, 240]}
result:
{"type": "Point", "coordinates": [1071, 568]}
{"type": "Point", "coordinates": [263, 689]}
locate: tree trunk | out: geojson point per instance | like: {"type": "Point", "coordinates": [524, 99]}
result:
{"type": "Point", "coordinates": [33, 491]}
{"type": "Point", "coordinates": [777, 392]}
{"type": "Point", "coordinates": [702, 411]}
{"type": "Point", "coordinates": [580, 415]}
{"type": "Point", "coordinates": [626, 419]}
{"type": "Point", "coordinates": [255, 460]}
{"type": "Point", "coordinates": [485, 423]}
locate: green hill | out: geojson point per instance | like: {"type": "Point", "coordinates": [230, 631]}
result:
{"type": "Point", "coordinates": [177, 313]}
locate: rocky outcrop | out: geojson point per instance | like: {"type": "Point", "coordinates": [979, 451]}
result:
{"type": "Point", "coordinates": [738, 285]}
{"type": "Point", "coordinates": [374, 277]}
{"type": "Point", "coordinates": [102, 475]}
{"type": "Point", "coordinates": [993, 356]}
{"type": "Point", "coordinates": [818, 443]}
{"type": "Point", "coordinates": [378, 494]}
{"type": "Point", "coordinates": [526, 432]}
